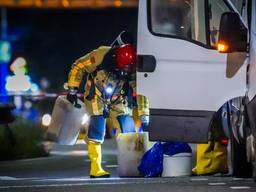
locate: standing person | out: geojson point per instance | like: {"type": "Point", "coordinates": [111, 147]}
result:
{"type": "Point", "coordinates": [109, 92]}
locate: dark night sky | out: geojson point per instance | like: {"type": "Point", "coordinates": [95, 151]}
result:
{"type": "Point", "coordinates": [51, 40]}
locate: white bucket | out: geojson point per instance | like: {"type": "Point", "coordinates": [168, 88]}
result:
{"type": "Point", "coordinates": [177, 165]}
{"type": "Point", "coordinates": [130, 151]}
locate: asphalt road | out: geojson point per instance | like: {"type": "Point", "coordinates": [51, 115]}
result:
{"type": "Point", "coordinates": [67, 169]}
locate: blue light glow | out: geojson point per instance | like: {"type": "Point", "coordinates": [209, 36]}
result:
{"type": "Point", "coordinates": [3, 75]}
{"type": "Point", "coordinates": [5, 51]}
{"type": "Point", "coordinates": [109, 89]}
{"type": "Point", "coordinates": [34, 87]}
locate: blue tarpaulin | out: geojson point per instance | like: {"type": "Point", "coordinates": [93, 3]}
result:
{"type": "Point", "coordinates": [152, 161]}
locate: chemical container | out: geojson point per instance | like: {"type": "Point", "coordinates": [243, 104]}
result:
{"type": "Point", "coordinates": [177, 165]}
{"type": "Point", "coordinates": [130, 151]}
{"type": "Point", "coordinates": [66, 121]}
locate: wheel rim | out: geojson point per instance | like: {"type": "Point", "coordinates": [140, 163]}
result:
{"type": "Point", "coordinates": [236, 115]}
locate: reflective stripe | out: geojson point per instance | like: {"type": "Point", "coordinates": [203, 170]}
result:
{"type": "Point", "coordinates": [97, 92]}
{"type": "Point", "coordinates": [95, 107]}
{"type": "Point", "coordinates": [87, 63]}
{"type": "Point", "coordinates": [84, 63]}
{"type": "Point", "coordinates": [143, 105]}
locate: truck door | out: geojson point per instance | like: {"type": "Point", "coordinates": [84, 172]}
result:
{"type": "Point", "coordinates": [180, 70]}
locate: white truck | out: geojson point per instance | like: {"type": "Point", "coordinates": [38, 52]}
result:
{"type": "Point", "coordinates": [197, 61]}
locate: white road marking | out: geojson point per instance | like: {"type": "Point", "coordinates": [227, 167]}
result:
{"type": "Point", "coordinates": [48, 185]}
{"type": "Point", "coordinates": [88, 160]}
{"type": "Point", "coordinates": [240, 187]}
{"type": "Point", "coordinates": [216, 184]}
{"type": "Point", "coordinates": [238, 179]}
{"type": "Point", "coordinates": [74, 152]}
{"type": "Point", "coordinates": [114, 179]}
{"type": "Point", "coordinates": [7, 178]}
{"type": "Point", "coordinates": [67, 179]}
{"type": "Point", "coordinates": [111, 166]}
{"type": "Point", "coordinates": [82, 184]}
{"type": "Point", "coordinates": [199, 179]}
{"type": "Point", "coordinates": [110, 152]}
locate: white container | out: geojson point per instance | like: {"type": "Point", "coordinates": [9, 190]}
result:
{"type": "Point", "coordinates": [177, 165]}
{"type": "Point", "coordinates": [130, 151]}
{"type": "Point", "coordinates": [147, 144]}
{"type": "Point", "coordinates": [66, 121]}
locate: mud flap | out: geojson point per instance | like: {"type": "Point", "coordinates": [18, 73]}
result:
{"type": "Point", "coordinates": [176, 125]}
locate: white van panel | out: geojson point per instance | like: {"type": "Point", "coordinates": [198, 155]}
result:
{"type": "Point", "coordinates": [187, 76]}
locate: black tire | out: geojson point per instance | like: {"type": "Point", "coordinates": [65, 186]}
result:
{"type": "Point", "coordinates": [254, 171]}
{"type": "Point", "coordinates": [253, 158]}
{"type": "Point", "coordinates": [241, 168]}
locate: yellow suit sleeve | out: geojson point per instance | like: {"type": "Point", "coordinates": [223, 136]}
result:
{"type": "Point", "coordinates": [86, 64]}
{"type": "Point", "coordinates": [142, 101]}
{"type": "Point", "coordinates": [143, 105]}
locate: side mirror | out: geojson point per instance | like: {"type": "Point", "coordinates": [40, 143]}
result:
{"type": "Point", "coordinates": [232, 34]}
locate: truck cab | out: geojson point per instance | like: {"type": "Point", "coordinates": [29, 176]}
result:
{"type": "Point", "coordinates": [197, 62]}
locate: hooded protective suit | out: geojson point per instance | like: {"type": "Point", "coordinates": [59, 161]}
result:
{"type": "Point", "coordinates": [109, 92]}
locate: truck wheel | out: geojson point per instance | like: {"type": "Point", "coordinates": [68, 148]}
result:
{"type": "Point", "coordinates": [251, 155]}
{"type": "Point", "coordinates": [238, 136]}
{"type": "Point", "coordinates": [254, 171]}
{"type": "Point", "coordinates": [241, 167]}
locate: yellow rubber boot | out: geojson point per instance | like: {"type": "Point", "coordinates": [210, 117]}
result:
{"type": "Point", "coordinates": [220, 159]}
{"type": "Point", "coordinates": [94, 153]}
{"type": "Point", "coordinates": [204, 159]}
{"type": "Point", "coordinates": [211, 159]}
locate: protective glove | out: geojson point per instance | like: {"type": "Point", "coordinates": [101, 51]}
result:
{"type": "Point", "coordinates": [144, 120]}
{"type": "Point", "coordinates": [72, 96]}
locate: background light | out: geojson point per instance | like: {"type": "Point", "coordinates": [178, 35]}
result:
{"type": "Point", "coordinates": [5, 51]}
{"type": "Point", "coordinates": [118, 3]}
{"type": "Point", "coordinates": [34, 87]}
{"type": "Point", "coordinates": [17, 83]}
{"type": "Point", "coordinates": [20, 82]}
{"type": "Point", "coordinates": [46, 120]}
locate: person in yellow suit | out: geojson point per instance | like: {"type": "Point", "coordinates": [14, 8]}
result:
{"type": "Point", "coordinates": [110, 92]}
{"type": "Point", "coordinates": [212, 157]}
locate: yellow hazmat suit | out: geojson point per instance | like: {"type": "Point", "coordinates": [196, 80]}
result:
{"type": "Point", "coordinates": [98, 80]}
{"type": "Point", "coordinates": [211, 158]}
{"type": "Point", "coordinates": [88, 64]}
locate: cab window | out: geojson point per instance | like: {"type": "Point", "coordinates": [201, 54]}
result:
{"type": "Point", "coordinates": [192, 20]}
{"type": "Point", "coordinates": [183, 19]}
{"type": "Point", "coordinates": [238, 5]}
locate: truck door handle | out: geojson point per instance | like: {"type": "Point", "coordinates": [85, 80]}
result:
{"type": "Point", "coordinates": [146, 63]}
